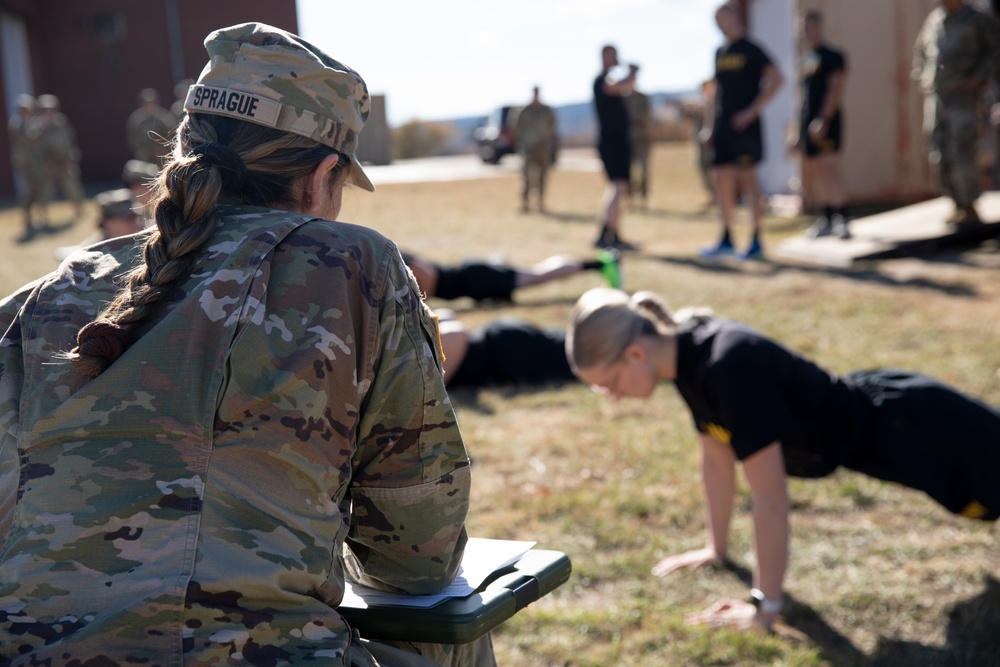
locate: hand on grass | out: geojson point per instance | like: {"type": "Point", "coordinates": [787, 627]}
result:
{"type": "Point", "coordinates": [732, 614]}
{"type": "Point", "coordinates": [689, 559]}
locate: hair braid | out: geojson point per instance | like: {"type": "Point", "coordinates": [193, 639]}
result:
{"type": "Point", "coordinates": [215, 158]}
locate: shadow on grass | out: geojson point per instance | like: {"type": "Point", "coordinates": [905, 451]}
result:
{"type": "Point", "coordinates": [802, 618]}
{"type": "Point", "coordinates": [467, 397]}
{"type": "Point", "coordinates": [680, 216]}
{"type": "Point", "coordinates": [48, 230]}
{"type": "Point", "coordinates": [770, 267]}
{"type": "Point", "coordinates": [572, 217]}
{"type": "Point", "coordinates": [972, 638]}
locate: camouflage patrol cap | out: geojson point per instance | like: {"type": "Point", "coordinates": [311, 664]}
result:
{"type": "Point", "coordinates": [267, 76]}
{"type": "Point", "coordinates": [138, 171]}
{"type": "Point", "coordinates": [116, 204]}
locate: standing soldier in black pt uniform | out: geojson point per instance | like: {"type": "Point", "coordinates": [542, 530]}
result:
{"type": "Point", "coordinates": [824, 72]}
{"type": "Point", "coordinates": [746, 80]}
{"type": "Point", "coordinates": [613, 144]}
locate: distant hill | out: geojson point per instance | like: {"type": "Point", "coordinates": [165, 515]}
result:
{"type": "Point", "coordinates": [576, 122]}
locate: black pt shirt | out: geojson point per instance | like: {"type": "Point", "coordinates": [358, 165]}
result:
{"type": "Point", "coordinates": [748, 392]}
{"type": "Point", "coordinates": [739, 68]}
{"type": "Point", "coordinates": [817, 67]}
{"type": "Point", "coordinates": [612, 116]}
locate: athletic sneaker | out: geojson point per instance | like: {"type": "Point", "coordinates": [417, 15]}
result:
{"type": "Point", "coordinates": [610, 268]}
{"type": "Point", "coordinates": [838, 227]}
{"type": "Point", "coordinates": [755, 251]}
{"type": "Point", "coordinates": [723, 249]}
{"type": "Point", "coordinates": [821, 227]}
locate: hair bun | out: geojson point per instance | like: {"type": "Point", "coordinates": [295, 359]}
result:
{"type": "Point", "coordinates": [102, 338]}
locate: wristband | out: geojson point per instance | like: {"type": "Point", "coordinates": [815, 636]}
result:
{"type": "Point", "coordinates": [764, 604]}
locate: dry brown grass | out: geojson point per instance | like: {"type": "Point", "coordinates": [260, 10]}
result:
{"type": "Point", "coordinates": [879, 574]}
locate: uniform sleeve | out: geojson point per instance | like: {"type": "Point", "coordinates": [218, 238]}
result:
{"type": "Point", "coordinates": [748, 402]}
{"type": "Point", "coordinates": [410, 490]}
{"type": "Point", "coordinates": [11, 381]}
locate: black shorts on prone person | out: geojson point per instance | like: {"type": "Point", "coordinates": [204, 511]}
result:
{"type": "Point", "coordinates": [478, 280]}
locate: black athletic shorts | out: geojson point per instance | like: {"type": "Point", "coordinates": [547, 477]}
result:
{"type": "Point", "coordinates": [928, 436]}
{"type": "Point", "coordinates": [743, 149]}
{"type": "Point", "coordinates": [512, 352]}
{"type": "Point", "coordinates": [478, 280]}
{"type": "Point", "coordinates": [617, 159]}
{"type": "Point", "coordinates": [829, 145]}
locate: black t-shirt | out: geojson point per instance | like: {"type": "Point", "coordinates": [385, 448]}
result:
{"type": "Point", "coordinates": [612, 116]}
{"type": "Point", "coordinates": [748, 391]}
{"type": "Point", "coordinates": [511, 352]}
{"type": "Point", "coordinates": [817, 67]}
{"type": "Point", "coordinates": [739, 68]}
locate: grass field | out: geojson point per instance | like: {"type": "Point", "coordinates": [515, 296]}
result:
{"type": "Point", "coordinates": [879, 575]}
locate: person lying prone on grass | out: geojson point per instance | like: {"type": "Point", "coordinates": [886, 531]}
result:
{"type": "Point", "coordinates": [776, 413]}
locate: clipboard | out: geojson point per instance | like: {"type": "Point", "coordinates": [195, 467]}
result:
{"type": "Point", "coordinates": [460, 620]}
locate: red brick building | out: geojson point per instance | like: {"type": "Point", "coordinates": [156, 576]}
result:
{"type": "Point", "coordinates": [96, 55]}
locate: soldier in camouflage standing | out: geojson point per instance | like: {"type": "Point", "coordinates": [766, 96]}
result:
{"type": "Point", "coordinates": [148, 128]}
{"type": "Point", "coordinates": [535, 134]}
{"type": "Point", "coordinates": [60, 155]}
{"type": "Point", "coordinates": [29, 172]}
{"type": "Point", "coordinates": [956, 54]}
{"type": "Point", "coordinates": [199, 440]}
{"type": "Point", "coordinates": [640, 128]}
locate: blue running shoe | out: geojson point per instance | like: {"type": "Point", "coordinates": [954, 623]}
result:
{"type": "Point", "coordinates": [723, 249]}
{"type": "Point", "coordinates": [755, 251]}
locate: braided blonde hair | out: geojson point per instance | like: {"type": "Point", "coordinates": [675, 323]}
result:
{"type": "Point", "coordinates": [214, 159]}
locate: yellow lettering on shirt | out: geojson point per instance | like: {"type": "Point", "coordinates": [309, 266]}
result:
{"type": "Point", "coordinates": [973, 510]}
{"type": "Point", "coordinates": [731, 62]}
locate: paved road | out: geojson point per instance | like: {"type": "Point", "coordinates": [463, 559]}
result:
{"type": "Point", "coordinates": [468, 167]}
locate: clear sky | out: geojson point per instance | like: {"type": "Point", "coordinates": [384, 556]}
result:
{"type": "Point", "coordinates": [438, 59]}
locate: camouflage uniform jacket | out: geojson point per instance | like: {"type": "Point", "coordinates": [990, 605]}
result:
{"type": "Point", "coordinates": [57, 140]}
{"type": "Point", "coordinates": [954, 48]}
{"type": "Point", "coordinates": [535, 127]}
{"type": "Point", "coordinates": [21, 141]}
{"type": "Point", "coordinates": [188, 506]}
{"type": "Point", "coordinates": [143, 129]}
{"type": "Point", "coordinates": [640, 118]}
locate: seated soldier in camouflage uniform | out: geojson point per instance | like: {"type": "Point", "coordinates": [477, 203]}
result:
{"type": "Point", "coordinates": [201, 440]}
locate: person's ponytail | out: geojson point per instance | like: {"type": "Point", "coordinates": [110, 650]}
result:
{"type": "Point", "coordinates": [215, 159]}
